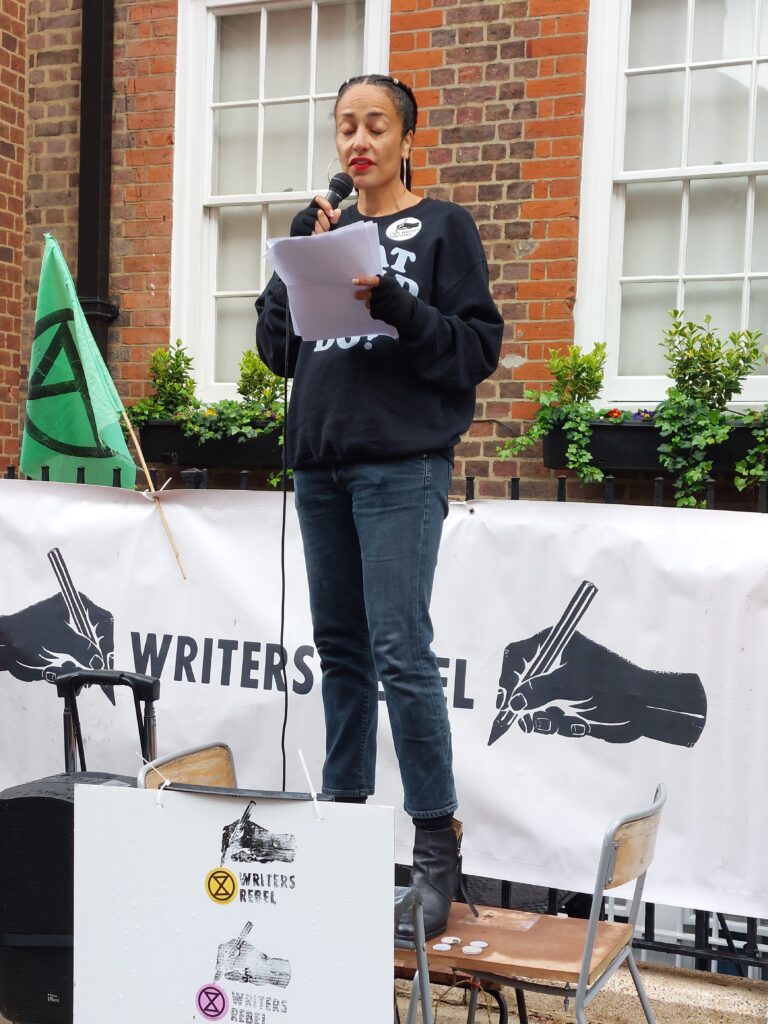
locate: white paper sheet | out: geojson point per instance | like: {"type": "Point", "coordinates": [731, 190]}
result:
{"type": "Point", "coordinates": [318, 271]}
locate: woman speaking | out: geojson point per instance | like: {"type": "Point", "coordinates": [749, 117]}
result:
{"type": "Point", "coordinates": [370, 435]}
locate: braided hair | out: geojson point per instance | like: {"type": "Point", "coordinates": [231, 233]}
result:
{"type": "Point", "coordinates": [404, 102]}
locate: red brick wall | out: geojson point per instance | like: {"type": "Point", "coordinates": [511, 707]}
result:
{"type": "Point", "coordinates": [12, 154]}
{"type": "Point", "coordinates": [501, 90]}
{"type": "Point", "coordinates": [142, 176]}
{"type": "Point", "coordinates": [143, 112]}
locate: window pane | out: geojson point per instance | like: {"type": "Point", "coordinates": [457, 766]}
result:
{"type": "Point", "coordinates": [239, 248]}
{"type": "Point", "coordinates": [644, 319]}
{"type": "Point", "coordinates": [763, 47]}
{"type": "Point", "coordinates": [286, 129]}
{"type": "Point", "coordinates": [235, 331]}
{"type": "Point", "coordinates": [654, 121]}
{"type": "Point", "coordinates": [758, 317]}
{"type": "Point", "coordinates": [760, 230]}
{"type": "Point", "coordinates": [719, 111]}
{"type": "Point", "coordinates": [288, 52]}
{"type": "Point", "coordinates": [761, 128]}
{"type": "Point", "coordinates": [325, 147]}
{"type": "Point", "coordinates": [716, 225]}
{"type": "Point", "coordinates": [721, 299]}
{"type": "Point", "coordinates": [657, 32]}
{"type": "Point", "coordinates": [339, 44]}
{"type": "Point", "coordinates": [723, 28]}
{"type": "Point", "coordinates": [652, 228]}
{"type": "Point", "coordinates": [279, 217]}
{"type": "Point", "coordinates": [263, 143]}
{"type": "Point", "coordinates": [236, 75]}
{"type": "Point", "coordinates": [234, 150]}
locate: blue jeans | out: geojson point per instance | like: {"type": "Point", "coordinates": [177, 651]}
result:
{"type": "Point", "coordinates": [371, 533]}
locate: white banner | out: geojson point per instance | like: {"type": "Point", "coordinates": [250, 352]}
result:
{"type": "Point", "coordinates": [625, 645]}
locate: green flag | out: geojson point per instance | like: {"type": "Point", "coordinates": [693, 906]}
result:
{"type": "Point", "coordinates": [73, 409]}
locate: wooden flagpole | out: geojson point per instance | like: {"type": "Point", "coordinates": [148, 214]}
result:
{"type": "Point", "coordinates": [154, 492]}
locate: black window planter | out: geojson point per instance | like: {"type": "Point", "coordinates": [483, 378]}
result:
{"type": "Point", "coordinates": [164, 442]}
{"type": "Point", "coordinates": [632, 446]}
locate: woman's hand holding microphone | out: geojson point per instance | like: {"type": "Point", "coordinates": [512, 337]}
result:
{"type": "Point", "coordinates": [323, 212]}
{"type": "Point", "coordinates": [316, 218]}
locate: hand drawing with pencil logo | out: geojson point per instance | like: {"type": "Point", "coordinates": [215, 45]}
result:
{"type": "Point", "coordinates": [559, 682]}
{"type": "Point", "coordinates": [246, 842]}
{"type": "Point", "coordinates": [62, 633]}
{"type": "Point", "coordinates": [237, 960]}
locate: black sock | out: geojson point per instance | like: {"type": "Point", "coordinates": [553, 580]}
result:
{"type": "Point", "coordinates": [433, 824]}
{"type": "Point", "coordinates": [350, 799]}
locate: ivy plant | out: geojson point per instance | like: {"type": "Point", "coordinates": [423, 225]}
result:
{"type": "Point", "coordinates": [753, 468]}
{"type": "Point", "coordinates": [577, 378]}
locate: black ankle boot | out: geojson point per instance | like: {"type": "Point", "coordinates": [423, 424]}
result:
{"type": "Point", "coordinates": [435, 874]}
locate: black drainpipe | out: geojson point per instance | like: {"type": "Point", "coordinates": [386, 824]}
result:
{"type": "Point", "coordinates": [96, 66]}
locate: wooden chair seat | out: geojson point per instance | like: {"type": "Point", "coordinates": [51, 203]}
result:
{"type": "Point", "coordinates": [521, 945]}
{"type": "Point", "coordinates": [211, 765]}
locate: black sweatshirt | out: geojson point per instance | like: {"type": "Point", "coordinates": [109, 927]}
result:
{"type": "Point", "coordinates": [374, 397]}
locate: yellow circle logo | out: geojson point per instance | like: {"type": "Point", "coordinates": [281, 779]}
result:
{"type": "Point", "coordinates": [221, 885]}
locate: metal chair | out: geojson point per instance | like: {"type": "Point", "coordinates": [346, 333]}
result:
{"type": "Point", "coordinates": [561, 956]}
{"type": "Point", "coordinates": [409, 899]}
{"type": "Point", "coordinates": [210, 764]}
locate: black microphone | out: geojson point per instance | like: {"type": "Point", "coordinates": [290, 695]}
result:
{"type": "Point", "coordinates": [339, 188]}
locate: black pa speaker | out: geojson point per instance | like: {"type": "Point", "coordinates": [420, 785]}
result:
{"type": "Point", "coordinates": [36, 896]}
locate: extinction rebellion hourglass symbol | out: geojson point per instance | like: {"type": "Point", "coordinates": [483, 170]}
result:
{"type": "Point", "coordinates": [212, 1002]}
{"type": "Point", "coordinates": [221, 885]}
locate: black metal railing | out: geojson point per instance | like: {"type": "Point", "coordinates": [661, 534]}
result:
{"type": "Point", "coordinates": [761, 498]}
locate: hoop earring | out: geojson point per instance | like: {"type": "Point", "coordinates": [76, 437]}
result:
{"type": "Point", "coordinates": [328, 169]}
{"type": "Point", "coordinates": [404, 171]}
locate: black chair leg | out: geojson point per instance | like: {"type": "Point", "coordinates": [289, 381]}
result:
{"type": "Point", "coordinates": [522, 1010]}
{"type": "Point", "coordinates": [502, 1004]}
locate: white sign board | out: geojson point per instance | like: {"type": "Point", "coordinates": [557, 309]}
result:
{"type": "Point", "coordinates": [201, 908]}
{"type": "Point", "coordinates": [624, 646]}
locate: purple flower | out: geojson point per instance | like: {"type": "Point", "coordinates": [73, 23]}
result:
{"type": "Point", "coordinates": [643, 414]}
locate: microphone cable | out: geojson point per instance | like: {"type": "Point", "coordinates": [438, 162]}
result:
{"type": "Point", "coordinates": [283, 523]}
{"type": "Point", "coordinates": [339, 188]}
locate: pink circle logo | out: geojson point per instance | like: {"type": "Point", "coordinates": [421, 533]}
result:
{"type": "Point", "coordinates": [212, 1002]}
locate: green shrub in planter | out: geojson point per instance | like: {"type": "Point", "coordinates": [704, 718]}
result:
{"type": "Point", "coordinates": [693, 420]}
{"type": "Point", "coordinates": [261, 409]}
{"type": "Point", "coordinates": [577, 379]}
{"type": "Point", "coordinates": [707, 373]}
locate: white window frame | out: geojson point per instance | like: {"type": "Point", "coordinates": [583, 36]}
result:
{"type": "Point", "coordinates": [194, 233]}
{"type": "Point", "coordinates": [601, 223]}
